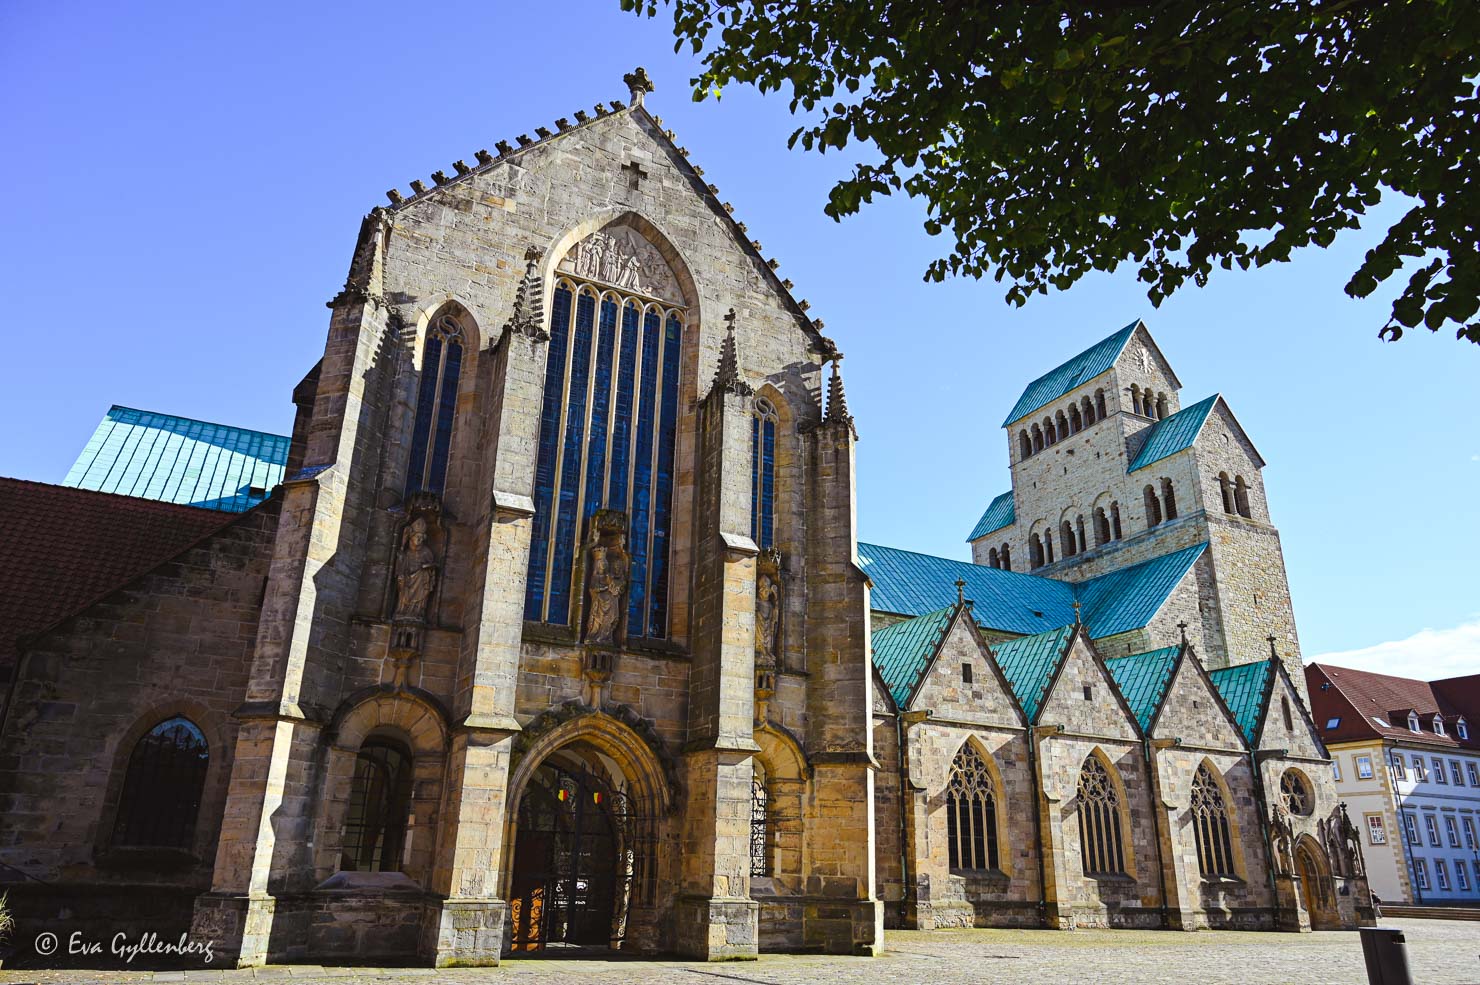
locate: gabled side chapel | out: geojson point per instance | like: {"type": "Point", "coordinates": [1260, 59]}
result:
{"type": "Point", "coordinates": [557, 632]}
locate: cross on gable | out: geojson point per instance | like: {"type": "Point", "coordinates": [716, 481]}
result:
{"type": "Point", "coordinates": [635, 174]}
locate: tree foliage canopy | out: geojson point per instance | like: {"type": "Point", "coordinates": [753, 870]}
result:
{"type": "Point", "coordinates": [1052, 139]}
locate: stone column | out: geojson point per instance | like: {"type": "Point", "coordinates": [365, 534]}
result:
{"type": "Point", "coordinates": [1050, 834]}
{"type": "Point", "coordinates": [1178, 879]}
{"type": "Point", "coordinates": [468, 927]}
{"type": "Point", "coordinates": [303, 630]}
{"type": "Point", "coordinates": [716, 918]}
{"type": "Point", "coordinates": [843, 914]}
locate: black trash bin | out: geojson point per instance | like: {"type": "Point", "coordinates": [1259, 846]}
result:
{"type": "Point", "coordinates": [1386, 955]}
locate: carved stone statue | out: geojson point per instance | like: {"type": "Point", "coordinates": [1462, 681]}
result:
{"type": "Point", "coordinates": [607, 564]}
{"type": "Point", "coordinates": [621, 256]}
{"type": "Point", "coordinates": [767, 608]}
{"type": "Point", "coordinates": [1284, 841]}
{"type": "Point", "coordinates": [416, 572]}
{"type": "Point", "coordinates": [1353, 840]}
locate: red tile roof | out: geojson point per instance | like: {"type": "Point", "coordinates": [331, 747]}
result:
{"type": "Point", "coordinates": [61, 549]}
{"type": "Point", "coordinates": [1364, 704]}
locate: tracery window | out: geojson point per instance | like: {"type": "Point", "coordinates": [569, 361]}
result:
{"type": "Point", "coordinates": [163, 786]}
{"type": "Point", "coordinates": [607, 430]}
{"type": "Point", "coordinates": [379, 803]}
{"type": "Point", "coordinates": [1099, 821]}
{"type": "Point", "coordinates": [760, 836]}
{"type": "Point", "coordinates": [1210, 825]}
{"type": "Point", "coordinates": [971, 813]}
{"type": "Point", "coordinates": [436, 406]}
{"type": "Point", "coordinates": [763, 474]}
{"type": "Point", "coordinates": [1295, 793]}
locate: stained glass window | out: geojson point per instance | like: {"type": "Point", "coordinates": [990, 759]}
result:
{"type": "Point", "coordinates": [608, 426]}
{"type": "Point", "coordinates": [760, 842]}
{"type": "Point", "coordinates": [1210, 825]}
{"type": "Point", "coordinates": [436, 406]}
{"type": "Point", "coordinates": [1099, 821]}
{"type": "Point", "coordinates": [971, 813]}
{"type": "Point", "coordinates": [162, 788]}
{"type": "Point", "coordinates": [763, 474]}
{"type": "Point", "coordinates": [1295, 793]}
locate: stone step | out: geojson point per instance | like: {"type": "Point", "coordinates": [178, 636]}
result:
{"type": "Point", "coordinates": [1432, 912]}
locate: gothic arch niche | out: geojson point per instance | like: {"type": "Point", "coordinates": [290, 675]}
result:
{"type": "Point", "coordinates": [613, 436]}
{"type": "Point", "coordinates": [415, 723]}
{"type": "Point", "coordinates": [976, 814]}
{"type": "Point", "coordinates": [1214, 817]}
{"type": "Point", "coordinates": [785, 774]}
{"type": "Point", "coordinates": [1317, 894]}
{"type": "Point", "coordinates": [1101, 811]}
{"type": "Point", "coordinates": [588, 804]}
{"type": "Point", "coordinates": [444, 358]}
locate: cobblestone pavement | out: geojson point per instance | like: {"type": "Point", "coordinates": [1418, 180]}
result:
{"type": "Point", "coordinates": [1439, 952]}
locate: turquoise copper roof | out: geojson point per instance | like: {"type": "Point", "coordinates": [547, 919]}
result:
{"type": "Point", "coordinates": [1143, 679]}
{"type": "Point", "coordinates": [1244, 688]}
{"type": "Point", "coordinates": [913, 584]}
{"type": "Point", "coordinates": [1030, 662]}
{"type": "Point", "coordinates": [179, 460]}
{"type": "Point", "coordinates": [1061, 379]}
{"type": "Point", "coordinates": [999, 514]}
{"type": "Point", "coordinates": [1173, 433]}
{"type": "Point", "coordinates": [903, 651]}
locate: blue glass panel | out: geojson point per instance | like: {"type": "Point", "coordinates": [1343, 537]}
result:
{"type": "Point", "coordinates": [567, 529]}
{"type": "Point", "coordinates": [642, 475]}
{"type": "Point", "coordinates": [600, 405]}
{"type": "Point", "coordinates": [768, 485]}
{"type": "Point", "coordinates": [446, 413]}
{"type": "Point", "coordinates": [421, 430]}
{"type": "Point", "coordinates": [663, 496]}
{"type": "Point", "coordinates": [755, 479]}
{"type": "Point", "coordinates": [544, 473]}
{"type": "Point", "coordinates": [621, 450]}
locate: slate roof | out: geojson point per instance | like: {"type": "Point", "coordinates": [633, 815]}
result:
{"type": "Point", "coordinates": [1081, 369]}
{"type": "Point", "coordinates": [1143, 679]}
{"type": "Point", "coordinates": [903, 650]}
{"type": "Point", "coordinates": [1000, 513]}
{"type": "Point", "coordinates": [1173, 433]}
{"type": "Point", "coordinates": [67, 548]}
{"type": "Point", "coordinates": [913, 584]}
{"type": "Point", "coordinates": [1029, 664]}
{"type": "Point", "coordinates": [1244, 688]}
{"type": "Point", "coordinates": [1363, 702]}
{"type": "Point", "coordinates": [180, 460]}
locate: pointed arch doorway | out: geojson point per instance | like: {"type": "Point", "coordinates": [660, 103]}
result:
{"type": "Point", "coordinates": [582, 873]}
{"type": "Point", "coordinates": [1315, 886]}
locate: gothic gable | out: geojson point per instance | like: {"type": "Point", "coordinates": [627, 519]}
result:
{"type": "Point", "coordinates": [1295, 732]}
{"type": "Point", "coordinates": [1193, 711]}
{"type": "Point", "coordinates": [1142, 362]}
{"type": "Point", "coordinates": [1084, 699]}
{"type": "Point", "coordinates": [945, 690]}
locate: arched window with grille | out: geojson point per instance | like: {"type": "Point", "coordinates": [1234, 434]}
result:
{"type": "Point", "coordinates": [379, 806]}
{"type": "Point", "coordinates": [162, 788]}
{"type": "Point", "coordinates": [608, 424]}
{"type": "Point", "coordinates": [436, 405]}
{"type": "Point", "coordinates": [760, 821]}
{"type": "Point", "coordinates": [1100, 834]}
{"type": "Point", "coordinates": [1210, 825]}
{"type": "Point", "coordinates": [763, 474]}
{"type": "Point", "coordinates": [971, 812]}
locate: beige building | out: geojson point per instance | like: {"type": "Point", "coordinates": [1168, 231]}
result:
{"type": "Point", "coordinates": [557, 633]}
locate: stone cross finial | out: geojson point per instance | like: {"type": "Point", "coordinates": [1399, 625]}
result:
{"type": "Point", "coordinates": [960, 590]}
{"type": "Point", "coordinates": [638, 84]}
{"type": "Point", "coordinates": [1183, 627]}
{"type": "Point", "coordinates": [1076, 612]}
{"type": "Point", "coordinates": [727, 376]}
{"type": "Point", "coordinates": [1272, 652]}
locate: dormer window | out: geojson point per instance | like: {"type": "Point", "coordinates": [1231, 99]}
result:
{"type": "Point", "coordinates": [1438, 724]}
{"type": "Point", "coordinates": [1462, 729]}
{"type": "Point", "coordinates": [1413, 725]}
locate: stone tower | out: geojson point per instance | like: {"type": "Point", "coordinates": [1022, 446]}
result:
{"type": "Point", "coordinates": [1109, 469]}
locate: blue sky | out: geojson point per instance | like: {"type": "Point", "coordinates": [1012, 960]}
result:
{"type": "Point", "coordinates": [185, 183]}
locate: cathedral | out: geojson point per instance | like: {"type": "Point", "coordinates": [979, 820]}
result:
{"type": "Point", "coordinates": [548, 627]}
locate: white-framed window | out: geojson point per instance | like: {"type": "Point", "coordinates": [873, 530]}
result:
{"type": "Point", "coordinates": [1463, 728]}
{"type": "Point", "coordinates": [1451, 828]}
{"type": "Point", "coordinates": [1376, 830]}
{"type": "Point", "coordinates": [1399, 773]}
{"type": "Point", "coordinates": [1455, 773]}
{"type": "Point", "coordinates": [1421, 872]}
{"type": "Point", "coordinates": [1461, 875]}
{"type": "Point", "coordinates": [1469, 823]}
{"type": "Point", "coordinates": [1412, 827]}
{"type": "Point", "coordinates": [1413, 725]}
{"type": "Point", "coordinates": [1420, 771]}
{"type": "Point", "coordinates": [1332, 723]}
{"type": "Point", "coordinates": [1336, 769]}
{"type": "Point", "coordinates": [1477, 870]}
{"type": "Point", "coordinates": [1473, 774]}
{"type": "Point", "coordinates": [1438, 725]}
{"type": "Point", "coordinates": [1364, 767]}
{"type": "Point", "coordinates": [1439, 776]}
{"type": "Point", "coordinates": [1441, 870]}
{"type": "Point", "coordinates": [1431, 825]}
